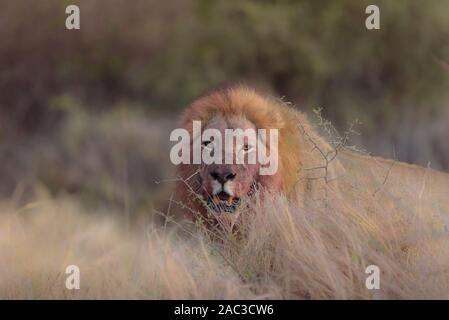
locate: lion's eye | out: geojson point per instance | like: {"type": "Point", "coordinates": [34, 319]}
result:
{"type": "Point", "coordinates": [247, 148]}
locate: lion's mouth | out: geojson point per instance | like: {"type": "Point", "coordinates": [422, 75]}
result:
{"type": "Point", "coordinates": [223, 202]}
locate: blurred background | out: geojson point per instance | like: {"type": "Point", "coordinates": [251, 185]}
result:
{"type": "Point", "coordinates": [87, 113]}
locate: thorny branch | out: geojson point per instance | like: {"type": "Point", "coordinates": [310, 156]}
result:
{"type": "Point", "coordinates": [337, 143]}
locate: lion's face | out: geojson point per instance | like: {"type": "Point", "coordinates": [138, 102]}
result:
{"type": "Point", "coordinates": [225, 185]}
{"type": "Point", "coordinates": [267, 159]}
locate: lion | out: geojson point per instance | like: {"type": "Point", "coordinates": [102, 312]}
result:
{"type": "Point", "coordinates": [308, 166]}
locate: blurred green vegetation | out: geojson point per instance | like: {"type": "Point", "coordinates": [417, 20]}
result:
{"type": "Point", "coordinates": [315, 53]}
{"type": "Point", "coordinates": [112, 160]}
{"type": "Point", "coordinates": [63, 93]}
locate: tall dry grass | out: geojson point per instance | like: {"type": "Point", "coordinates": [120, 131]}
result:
{"type": "Point", "coordinates": [283, 250]}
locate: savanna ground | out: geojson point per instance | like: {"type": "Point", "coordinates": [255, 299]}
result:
{"type": "Point", "coordinates": [132, 249]}
{"type": "Point", "coordinates": [288, 252]}
{"type": "Point", "coordinates": [85, 119]}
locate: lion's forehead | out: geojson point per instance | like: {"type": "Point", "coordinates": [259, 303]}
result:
{"type": "Point", "coordinates": [221, 123]}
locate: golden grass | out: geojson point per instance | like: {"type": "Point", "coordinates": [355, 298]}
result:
{"type": "Point", "coordinates": [284, 251]}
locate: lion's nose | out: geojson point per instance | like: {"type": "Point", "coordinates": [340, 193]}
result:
{"type": "Point", "coordinates": [222, 177]}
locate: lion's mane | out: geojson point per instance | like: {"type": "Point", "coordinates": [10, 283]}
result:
{"type": "Point", "coordinates": [265, 112]}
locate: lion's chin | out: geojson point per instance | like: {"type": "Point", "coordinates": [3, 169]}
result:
{"type": "Point", "coordinates": [223, 203]}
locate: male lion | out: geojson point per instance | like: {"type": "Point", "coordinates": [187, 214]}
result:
{"type": "Point", "coordinates": [308, 166]}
